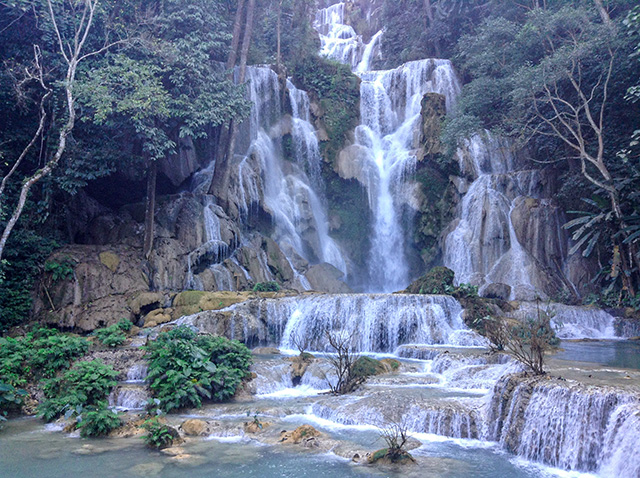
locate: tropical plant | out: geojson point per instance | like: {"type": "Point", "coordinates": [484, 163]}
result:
{"type": "Point", "coordinates": [98, 420]}
{"type": "Point", "coordinates": [159, 435]}
{"type": "Point", "coordinates": [85, 384]}
{"type": "Point", "coordinates": [185, 368]}
{"type": "Point", "coordinates": [271, 286]}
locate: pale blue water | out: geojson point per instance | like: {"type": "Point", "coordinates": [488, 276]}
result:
{"type": "Point", "coordinates": [612, 353]}
{"type": "Point", "coordinates": [27, 450]}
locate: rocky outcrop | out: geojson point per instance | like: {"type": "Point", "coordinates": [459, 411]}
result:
{"type": "Point", "coordinates": [326, 278]}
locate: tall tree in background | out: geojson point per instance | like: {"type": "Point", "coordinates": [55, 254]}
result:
{"type": "Point", "coordinates": [71, 23]}
{"type": "Point", "coordinates": [224, 160]}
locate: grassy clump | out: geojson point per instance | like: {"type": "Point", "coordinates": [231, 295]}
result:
{"type": "Point", "coordinates": [270, 286]}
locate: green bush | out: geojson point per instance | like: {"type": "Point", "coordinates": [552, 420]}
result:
{"type": "Point", "coordinates": [85, 384]}
{"type": "Point", "coordinates": [11, 399]}
{"type": "Point", "coordinates": [98, 421]}
{"type": "Point", "coordinates": [158, 434]}
{"type": "Point", "coordinates": [41, 353]}
{"type": "Point", "coordinates": [185, 368]}
{"type": "Point", "coordinates": [271, 286]}
{"type": "Point", "coordinates": [111, 336]}
{"type": "Point", "coordinates": [125, 325]}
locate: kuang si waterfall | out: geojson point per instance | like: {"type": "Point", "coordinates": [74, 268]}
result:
{"type": "Point", "coordinates": [354, 288]}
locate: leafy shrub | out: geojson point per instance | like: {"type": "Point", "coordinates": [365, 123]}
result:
{"type": "Point", "coordinates": [159, 435]}
{"type": "Point", "coordinates": [185, 368]}
{"type": "Point", "coordinates": [98, 421]}
{"type": "Point", "coordinates": [10, 399]}
{"type": "Point", "coordinates": [41, 353]}
{"type": "Point", "coordinates": [125, 325]}
{"type": "Point", "coordinates": [366, 366]}
{"type": "Point", "coordinates": [86, 384]}
{"type": "Point", "coordinates": [111, 336]}
{"type": "Point", "coordinates": [60, 270]}
{"type": "Point", "coordinates": [271, 286]}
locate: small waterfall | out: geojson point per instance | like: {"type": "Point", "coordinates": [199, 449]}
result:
{"type": "Point", "coordinates": [340, 41]}
{"type": "Point", "coordinates": [129, 397]}
{"type": "Point", "coordinates": [483, 248]}
{"type": "Point", "coordinates": [287, 192]}
{"type": "Point", "coordinates": [568, 426]}
{"type": "Point", "coordinates": [378, 323]}
{"type": "Point", "coordinates": [137, 373]}
{"type": "Point", "coordinates": [571, 322]}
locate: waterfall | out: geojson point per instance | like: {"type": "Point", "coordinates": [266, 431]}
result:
{"type": "Point", "coordinates": [377, 323]}
{"type": "Point", "coordinates": [483, 248]}
{"type": "Point", "coordinates": [390, 105]}
{"type": "Point", "coordinates": [390, 108]}
{"type": "Point", "coordinates": [569, 426]}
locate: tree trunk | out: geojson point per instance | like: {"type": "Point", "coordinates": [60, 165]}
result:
{"type": "Point", "coordinates": [606, 19]}
{"type": "Point", "coordinates": [235, 41]}
{"type": "Point", "coordinates": [150, 210]}
{"type": "Point", "coordinates": [222, 173]}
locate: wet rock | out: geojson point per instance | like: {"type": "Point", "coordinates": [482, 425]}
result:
{"type": "Point", "coordinates": [497, 290]}
{"type": "Point", "coordinates": [304, 434]}
{"type": "Point", "coordinates": [433, 112]}
{"type": "Point", "coordinates": [326, 278]}
{"type": "Point", "coordinates": [195, 427]}
{"type": "Point", "coordinates": [157, 317]}
{"type": "Point", "coordinates": [265, 351]}
{"type": "Point", "coordinates": [147, 469]}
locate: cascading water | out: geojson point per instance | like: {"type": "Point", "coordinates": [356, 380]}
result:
{"type": "Point", "coordinates": [390, 106]}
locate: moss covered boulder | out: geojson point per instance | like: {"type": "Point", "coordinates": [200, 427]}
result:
{"type": "Point", "coordinates": [438, 280]}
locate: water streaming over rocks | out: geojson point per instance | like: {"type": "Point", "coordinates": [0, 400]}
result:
{"type": "Point", "coordinates": [566, 425]}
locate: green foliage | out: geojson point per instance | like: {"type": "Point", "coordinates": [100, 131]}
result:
{"type": "Point", "coordinates": [41, 353]}
{"type": "Point", "coordinates": [85, 384]}
{"type": "Point", "coordinates": [271, 286]}
{"type": "Point", "coordinates": [159, 435]}
{"type": "Point", "coordinates": [337, 90]}
{"type": "Point", "coordinates": [98, 421]}
{"type": "Point", "coordinates": [23, 260]}
{"type": "Point", "coordinates": [125, 325]}
{"type": "Point", "coordinates": [114, 335]}
{"type": "Point", "coordinates": [439, 280]}
{"type": "Point", "coordinates": [60, 270]}
{"type": "Point", "coordinates": [11, 398]}
{"type": "Point", "coordinates": [185, 368]}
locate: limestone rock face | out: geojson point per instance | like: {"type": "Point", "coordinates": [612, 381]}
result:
{"type": "Point", "coordinates": [180, 166]}
{"type": "Point", "coordinates": [497, 290]}
{"type": "Point", "coordinates": [326, 278]}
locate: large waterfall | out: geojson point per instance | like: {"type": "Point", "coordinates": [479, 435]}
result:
{"type": "Point", "coordinates": [386, 140]}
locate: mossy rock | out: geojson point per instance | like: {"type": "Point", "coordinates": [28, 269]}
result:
{"type": "Point", "coordinates": [366, 367]}
{"type": "Point", "coordinates": [385, 456]}
{"type": "Point", "coordinates": [191, 302]}
{"type": "Point", "coordinates": [391, 364]}
{"type": "Point", "coordinates": [438, 280]}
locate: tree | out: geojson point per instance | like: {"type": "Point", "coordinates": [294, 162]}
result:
{"type": "Point", "coordinates": [174, 86]}
{"type": "Point", "coordinates": [71, 42]}
{"type": "Point", "coordinates": [546, 80]}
